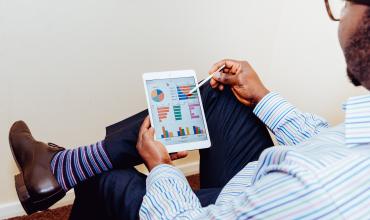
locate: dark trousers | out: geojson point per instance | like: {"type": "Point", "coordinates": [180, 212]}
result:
{"type": "Point", "coordinates": [237, 136]}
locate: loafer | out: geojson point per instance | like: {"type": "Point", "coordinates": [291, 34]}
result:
{"type": "Point", "coordinates": [36, 185]}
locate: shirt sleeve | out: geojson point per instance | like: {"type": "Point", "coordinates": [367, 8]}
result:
{"type": "Point", "coordinates": [168, 194]}
{"type": "Point", "coordinates": [289, 124]}
{"type": "Point", "coordinates": [282, 193]}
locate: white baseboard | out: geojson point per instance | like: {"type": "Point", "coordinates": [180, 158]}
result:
{"type": "Point", "coordinates": [13, 209]}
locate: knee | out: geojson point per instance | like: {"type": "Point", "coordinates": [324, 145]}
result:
{"type": "Point", "coordinates": [212, 96]}
{"type": "Point", "coordinates": [122, 192]}
{"type": "Point", "coordinates": [115, 178]}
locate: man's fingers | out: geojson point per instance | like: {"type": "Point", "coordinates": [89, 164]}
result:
{"type": "Point", "coordinates": [182, 154]}
{"type": "Point", "coordinates": [226, 75]}
{"type": "Point", "coordinates": [143, 129]}
{"type": "Point", "coordinates": [229, 64]}
{"type": "Point", "coordinates": [144, 126]}
{"type": "Point", "coordinates": [178, 155]}
{"type": "Point", "coordinates": [226, 70]}
{"type": "Point", "coordinates": [216, 66]}
{"type": "Point", "coordinates": [221, 87]}
{"type": "Point", "coordinates": [150, 133]}
{"type": "Point", "coordinates": [225, 78]}
{"type": "Point", "coordinates": [146, 122]}
{"type": "Point", "coordinates": [235, 67]}
{"type": "Point", "coordinates": [213, 83]}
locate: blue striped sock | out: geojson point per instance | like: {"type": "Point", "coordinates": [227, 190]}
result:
{"type": "Point", "coordinates": [71, 167]}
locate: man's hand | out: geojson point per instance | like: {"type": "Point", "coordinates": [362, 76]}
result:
{"type": "Point", "coordinates": [153, 152]}
{"type": "Point", "coordinates": [243, 80]}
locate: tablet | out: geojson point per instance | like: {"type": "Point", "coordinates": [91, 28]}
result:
{"type": "Point", "coordinates": [177, 117]}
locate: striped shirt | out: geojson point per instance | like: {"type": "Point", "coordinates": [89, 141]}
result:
{"type": "Point", "coordinates": [317, 172]}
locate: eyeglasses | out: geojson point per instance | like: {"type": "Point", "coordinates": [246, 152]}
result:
{"type": "Point", "coordinates": [334, 8]}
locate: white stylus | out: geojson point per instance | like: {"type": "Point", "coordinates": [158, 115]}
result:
{"type": "Point", "coordinates": [206, 80]}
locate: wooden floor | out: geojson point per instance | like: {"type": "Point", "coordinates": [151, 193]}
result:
{"type": "Point", "coordinates": [62, 213]}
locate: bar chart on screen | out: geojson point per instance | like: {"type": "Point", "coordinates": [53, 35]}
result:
{"type": "Point", "coordinates": [165, 133]}
{"type": "Point", "coordinates": [177, 112]}
{"type": "Point", "coordinates": [182, 131]}
{"type": "Point", "coordinates": [163, 113]}
{"type": "Point", "coordinates": [187, 132]}
{"type": "Point", "coordinates": [195, 110]}
{"type": "Point", "coordinates": [183, 92]}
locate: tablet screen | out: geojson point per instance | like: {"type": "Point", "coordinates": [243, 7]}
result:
{"type": "Point", "coordinates": [177, 117]}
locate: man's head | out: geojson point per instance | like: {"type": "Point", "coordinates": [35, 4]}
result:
{"type": "Point", "coordinates": [354, 37]}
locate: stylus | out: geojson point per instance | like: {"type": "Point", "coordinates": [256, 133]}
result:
{"type": "Point", "coordinates": [206, 80]}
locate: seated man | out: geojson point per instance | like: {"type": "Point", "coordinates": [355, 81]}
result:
{"type": "Point", "coordinates": [49, 171]}
{"type": "Point", "coordinates": [319, 172]}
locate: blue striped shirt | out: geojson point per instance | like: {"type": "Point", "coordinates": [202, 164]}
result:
{"type": "Point", "coordinates": [316, 172]}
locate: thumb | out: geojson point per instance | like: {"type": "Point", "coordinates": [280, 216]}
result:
{"type": "Point", "coordinates": [178, 155]}
{"type": "Point", "coordinates": [148, 135]}
{"type": "Point", "coordinates": [151, 132]}
{"type": "Point", "coordinates": [225, 78]}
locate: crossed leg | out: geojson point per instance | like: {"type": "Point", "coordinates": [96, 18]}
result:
{"type": "Point", "coordinates": [237, 137]}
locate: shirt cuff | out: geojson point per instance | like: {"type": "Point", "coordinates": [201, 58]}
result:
{"type": "Point", "coordinates": [164, 171]}
{"type": "Point", "coordinates": [272, 109]}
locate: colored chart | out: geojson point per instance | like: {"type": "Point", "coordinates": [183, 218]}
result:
{"type": "Point", "coordinates": [197, 130]}
{"type": "Point", "coordinates": [163, 112]}
{"type": "Point", "coordinates": [186, 131]}
{"type": "Point", "coordinates": [183, 92]}
{"type": "Point", "coordinates": [177, 112]}
{"type": "Point", "coordinates": [177, 116]}
{"type": "Point", "coordinates": [166, 134]}
{"type": "Point", "coordinates": [157, 95]}
{"type": "Point", "coordinates": [194, 110]}
{"type": "Point", "coordinates": [181, 132]}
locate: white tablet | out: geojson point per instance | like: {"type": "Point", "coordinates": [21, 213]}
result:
{"type": "Point", "coordinates": [177, 117]}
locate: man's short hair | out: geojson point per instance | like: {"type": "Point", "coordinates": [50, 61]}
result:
{"type": "Point", "coordinates": [357, 53]}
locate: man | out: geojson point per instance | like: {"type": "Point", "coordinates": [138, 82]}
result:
{"type": "Point", "coordinates": [318, 172]}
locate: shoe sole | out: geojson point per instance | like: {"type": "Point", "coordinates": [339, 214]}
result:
{"type": "Point", "coordinates": [29, 204]}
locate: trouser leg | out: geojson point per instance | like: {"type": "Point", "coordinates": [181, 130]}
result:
{"type": "Point", "coordinates": [118, 194]}
{"type": "Point", "coordinates": [237, 136]}
{"type": "Point", "coordinates": [120, 141]}
{"type": "Point", "coordinates": [88, 203]}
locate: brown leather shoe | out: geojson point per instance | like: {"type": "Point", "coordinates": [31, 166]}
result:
{"type": "Point", "coordinates": [36, 185]}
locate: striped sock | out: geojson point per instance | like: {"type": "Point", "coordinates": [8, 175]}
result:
{"type": "Point", "coordinates": [71, 167]}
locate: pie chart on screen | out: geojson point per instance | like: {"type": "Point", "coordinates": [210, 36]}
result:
{"type": "Point", "coordinates": [157, 95]}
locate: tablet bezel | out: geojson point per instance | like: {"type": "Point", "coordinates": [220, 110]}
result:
{"type": "Point", "coordinates": [174, 75]}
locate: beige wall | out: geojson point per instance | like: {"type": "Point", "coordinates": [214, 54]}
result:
{"type": "Point", "coordinates": [69, 68]}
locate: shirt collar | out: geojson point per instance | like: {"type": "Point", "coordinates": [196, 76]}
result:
{"type": "Point", "coordinates": [357, 120]}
